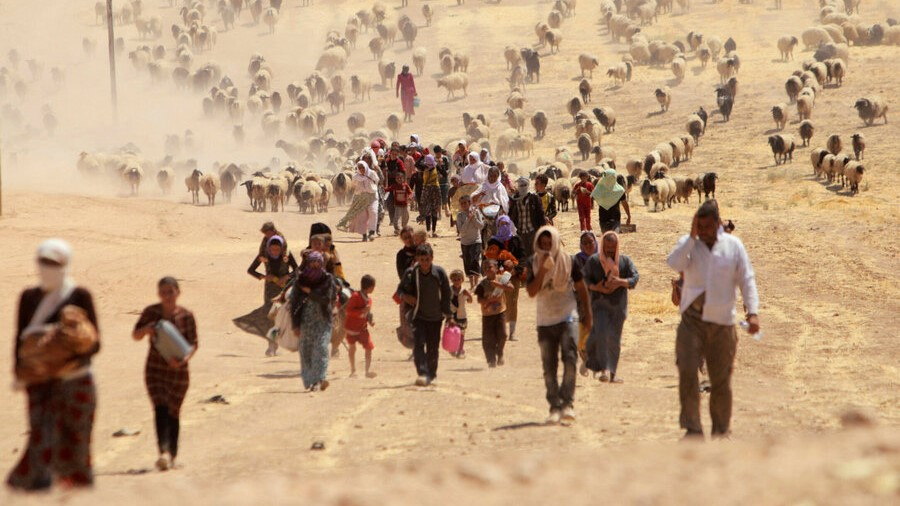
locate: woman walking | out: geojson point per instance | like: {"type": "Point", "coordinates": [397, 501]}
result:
{"type": "Point", "coordinates": [362, 217]}
{"type": "Point", "coordinates": [506, 247]}
{"type": "Point", "coordinates": [279, 266]}
{"type": "Point", "coordinates": [312, 303]}
{"type": "Point", "coordinates": [589, 247]}
{"type": "Point", "coordinates": [608, 276]}
{"type": "Point", "coordinates": [406, 91]}
{"type": "Point", "coordinates": [61, 394]}
{"type": "Point", "coordinates": [430, 205]}
{"type": "Point", "coordinates": [609, 195]}
{"type": "Point", "coordinates": [167, 381]}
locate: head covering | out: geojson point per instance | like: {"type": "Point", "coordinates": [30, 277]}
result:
{"type": "Point", "coordinates": [430, 162]}
{"type": "Point", "coordinates": [487, 155]}
{"type": "Point", "coordinates": [312, 274]}
{"type": "Point", "coordinates": [275, 239]}
{"type": "Point", "coordinates": [55, 250]}
{"type": "Point", "coordinates": [608, 191]}
{"type": "Point", "coordinates": [494, 192]}
{"type": "Point", "coordinates": [610, 264]}
{"type": "Point", "coordinates": [318, 228]}
{"type": "Point", "coordinates": [405, 68]}
{"type": "Point", "coordinates": [364, 164]}
{"type": "Point", "coordinates": [415, 139]}
{"type": "Point", "coordinates": [375, 145]}
{"type": "Point", "coordinates": [560, 264]}
{"type": "Point", "coordinates": [506, 229]}
{"type": "Point", "coordinates": [582, 255]}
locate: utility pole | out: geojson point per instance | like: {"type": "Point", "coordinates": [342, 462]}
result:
{"type": "Point", "coordinates": [112, 60]}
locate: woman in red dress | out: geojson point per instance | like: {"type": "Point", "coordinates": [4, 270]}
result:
{"type": "Point", "coordinates": [406, 90]}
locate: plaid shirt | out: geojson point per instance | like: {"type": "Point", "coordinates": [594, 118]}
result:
{"type": "Point", "coordinates": [527, 213]}
{"type": "Point", "coordinates": [167, 386]}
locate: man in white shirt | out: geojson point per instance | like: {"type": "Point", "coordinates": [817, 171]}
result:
{"type": "Point", "coordinates": [714, 264]}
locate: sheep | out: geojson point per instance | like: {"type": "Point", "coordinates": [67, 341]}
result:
{"type": "Point", "coordinates": [585, 89]}
{"type": "Point", "coordinates": [270, 17]}
{"type": "Point", "coordinates": [833, 144]}
{"type": "Point", "coordinates": [460, 62]}
{"type": "Point", "coordinates": [562, 191]}
{"type": "Point", "coordinates": [428, 14]}
{"type": "Point", "coordinates": [394, 123]}
{"type": "Point", "coordinates": [657, 190]}
{"type": "Point", "coordinates": [564, 157]}
{"type": "Point", "coordinates": [817, 157]}
{"type": "Point", "coordinates": [585, 143]}
{"type": "Point", "coordinates": [532, 64]}
{"type": "Point", "coordinates": [871, 108]}
{"type": "Point", "coordinates": [523, 144]}
{"type": "Point", "coordinates": [210, 184]}
{"type": "Point", "coordinates": [387, 71]}
{"type": "Point", "coordinates": [516, 100]}
{"type": "Point", "coordinates": [658, 171]}
{"type": "Point", "coordinates": [573, 106]}
{"type": "Point", "coordinates": [620, 73]}
{"type": "Point", "coordinates": [307, 196]}
{"type": "Point", "coordinates": [782, 148]}
{"type": "Point", "coordinates": [325, 197]}
{"type": "Point", "coordinates": [165, 178]}
{"type": "Point", "coordinates": [361, 88]}
{"type": "Point", "coordinates": [832, 50]}
{"type": "Point", "coordinates": [356, 121]}
{"type": "Point", "coordinates": [539, 122]}
{"type": "Point", "coordinates": [836, 70]}
{"type": "Point", "coordinates": [688, 142]}
{"type": "Point", "coordinates": [554, 38]}
{"type": "Point", "coordinates": [634, 167]}
{"type": "Point", "coordinates": [664, 97]}
{"type": "Point", "coordinates": [684, 186]}
{"type": "Point", "coordinates": [276, 193]}
{"type": "Point", "coordinates": [677, 145]}
{"type": "Point", "coordinates": [512, 56]}
{"type": "Point", "coordinates": [588, 62]}
{"type": "Point", "coordinates": [453, 83]}
{"type": "Point", "coordinates": [256, 191]}
{"type": "Point", "coordinates": [193, 185]}
{"type": "Point", "coordinates": [604, 154]}
{"type": "Point", "coordinates": [332, 59]}
{"type": "Point", "coordinates": [859, 145]}
{"type": "Point", "coordinates": [780, 115]}
{"type": "Point", "coordinates": [725, 67]}
{"type": "Point", "coordinates": [706, 184]}
{"type": "Point", "coordinates": [607, 117]}
{"type": "Point", "coordinates": [806, 130]}
{"type": "Point", "coordinates": [694, 127]}
{"type": "Point", "coordinates": [409, 31]}
{"type": "Point", "coordinates": [804, 107]}
{"type": "Point", "coordinates": [516, 118]}
{"type": "Point", "coordinates": [786, 46]}
{"type": "Point", "coordinates": [815, 37]}
{"type": "Point", "coordinates": [230, 176]}
{"type": "Point", "coordinates": [853, 174]}
{"type": "Point", "coordinates": [341, 186]}
{"type": "Point", "coordinates": [835, 168]}
{"type": "Point", "coordinates": [419, 60]}
{"type": "Point", "coordinates": [337, 101]}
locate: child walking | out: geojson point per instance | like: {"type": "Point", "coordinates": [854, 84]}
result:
{"type": "Point", "coordinates": [359, 318]}
{"type": "Point", "coordinates": [469, 224]}
{"type": "Point", "coordinates": [583, 200]}
{"type": "Point", "coordinates": [400, 195]}
{"type": "Point", "coordinates": [458, 300]}
{"type": "Point", "coordinates": [492, 297]}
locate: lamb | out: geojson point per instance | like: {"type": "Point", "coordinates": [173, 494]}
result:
{"type": "Point", "coordinates": [786, 46]}
{"type": "Point", "coordinates": [684, 186]}
{"type": "Point", "coordinates": [833, 144]}
{"type": "Point", "coordinates": [871, 108]}
{"type": "Point", "coordinates": [210, 184]}
{"type": "Point", "coordinates": [193, 185]}
{"type": "Point", "coordinates": [664, 97]}
{"type": "Point", "coordinates": [853, 174]}
{"type": "Point", "coordinates": [419, 59]}
{"type": "Point", "coordinates": [539, 122]}
{"type": "Point", "coordinates": [453, 83]}
{"type": "Point", "coordinates": [165, 178]}
{"type": "Point", "coordinates": [394, 123]}
{"type": "Point", "coordinates": [585, 89]}
{"type": "Point", "coordinates": [780, 115]}
{"type": "Point", "coordinates": [361, 87]}
{"type": "Point", "coordinates": [678, 67]}
{"type": "Point", "coordinates": [804, 107]}
{"type": "Point", "coordinates": [585, 143]}
{"type": "Point", "coordinates": [706, 184]}
{"type": "Point", "coordinates": [588, 62]}
{"type": "Point", "coordinates": [607, 117]}
{"type": "Point", "coordinates": [859, 145]}
{"type": "Point", "coordinates": [782, 148]}
{"type": "Point", "coordinates": [817, 157]}
{"type": "Point", "coordinates": [806, 131]}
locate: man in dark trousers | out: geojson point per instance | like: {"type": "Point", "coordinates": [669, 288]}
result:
{"type": "Point", "coordinates": [527, 213]}
{"type": "Point", "coordinates": [426, 288]}
{"type": "Point", "coordinates": [714, 264]}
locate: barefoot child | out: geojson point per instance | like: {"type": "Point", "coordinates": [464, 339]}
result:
{"type": "Point", "coordinates": [359, 318]}
{"type": "Point", "coordinates": [492, 297]}
{"type": "Point", "coordinates": [458, 302]}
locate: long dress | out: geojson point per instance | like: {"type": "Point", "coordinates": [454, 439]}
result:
{"type": "Point", "coordinates": [407, 86]}
{"type": "Point", "coordinates": [430, 205]}
{"type": "Point", "coordinates": [362, 216]}
{"type": "Point", "coordinates": [313, 314]}
{"type": "Point", "coordinates": [609, 313]}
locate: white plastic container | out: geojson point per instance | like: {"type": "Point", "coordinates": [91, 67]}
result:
{"type": "Point", "coordinates": [170, 343]}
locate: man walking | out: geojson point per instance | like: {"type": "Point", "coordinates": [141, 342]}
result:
{"type": "Point", "coordinates": [527, 214]}
{"type": "Point", "coordinates": [714, 264]}
{"type": "Point", "coordinates": [553, 281]}
{"type": "Point", "coordinates": [426, 289]}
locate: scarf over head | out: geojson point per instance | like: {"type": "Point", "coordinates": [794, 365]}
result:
{"type": "Point", "coordinates": [430, 161]}
{"type": "Point", "coordinates": [313, 269]}
{"type": "Point", "coordinates": [487, 156]}
{"type": "Point", "coordinates": [54, 281]}
{"type": "Point", "coordinates": [582, 255]}
{"type": "Point", "coordinates": [610, 264]}
{"type": "Point", "coordinates": [608, 190]}
{"type": "Point", "coordinates": [275, 239]}
{"type": "Point", "coordinates": [473, 173]}
{"type": "Point", "coordinates": [521, 188]}
{"type": "Point", "coordinates": [494, 193]}
{"type": "Point", "coordinates": [506, 229]}
{"type": "Point", "coordinates": [560, 264]}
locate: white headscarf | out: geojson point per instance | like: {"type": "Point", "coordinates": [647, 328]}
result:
{"type": "Point", "coordinates": [560, 273]}
{"type": "Point", "coordinates": [368, 182]}
{"type": "Point", "coordinates": [474, 172]}
{"type": "Point", "coordinates": [494, 193]}
{"type": "Point", "coordinates": [55, 282]}
{"type": "Point", "coordinates": [487, 156]}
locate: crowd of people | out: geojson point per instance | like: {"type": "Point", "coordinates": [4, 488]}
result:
{"type": "Point", "coordinates": [507, 241]}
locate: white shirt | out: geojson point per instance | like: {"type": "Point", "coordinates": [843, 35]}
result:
{"type": "Point", "coordinates": [367, 183]}
{"type": "Point", "coordinates": [716, 272]}
{"type": "Point", "coordinates": [473, 174]}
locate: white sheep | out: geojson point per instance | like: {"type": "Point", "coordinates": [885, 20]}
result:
{"type": "Point", "coordinates": [193, 185]}
{"type": "Point", "coordinates": [588, 63]}
{"type": "Point", "coordinates": [453, 83]}
{"type": "Point", "coordinates": [664, 97]}
{"type": "Point", "coordinates": [210, 184]}
{"type": "Point", "coordinates": [804, 107]}
{"type": "Point", "coordinates": [780, 115]}
{"type": "Point", "coordinates": [815, 37]}
{"type": "Point", "coordinates": [678, 68]}
{"type": "Point", "coordinates": [786, 46]}
{"type": "Point", "coordinates": [853, 174]}
{"type": "Point", "coordinates": [419, 59]}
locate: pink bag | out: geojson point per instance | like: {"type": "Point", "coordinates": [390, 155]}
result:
{"type": "Point", "coordinates": [450, 339]}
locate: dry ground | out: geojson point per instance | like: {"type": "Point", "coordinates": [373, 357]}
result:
{"type": "Point", "coordinates": [826, 266]}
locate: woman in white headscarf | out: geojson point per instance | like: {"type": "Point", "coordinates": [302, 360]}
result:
{"type": "Point", "coordinates": [56, 338]}
{"type": "Point", "coordinates": [362, 217]}
{"type": "Point", "coordinates": [492, 191]}
{"type": "Point", "coordinates": [472, 176]}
